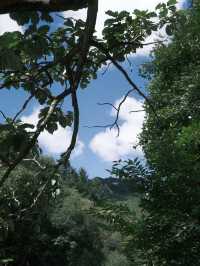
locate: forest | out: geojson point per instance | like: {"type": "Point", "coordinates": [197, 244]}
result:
{"type": "Point", "coordinates": [147, 212]}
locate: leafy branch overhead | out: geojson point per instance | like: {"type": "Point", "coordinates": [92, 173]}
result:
{"type": "Point", "coordinates": [69, 56]}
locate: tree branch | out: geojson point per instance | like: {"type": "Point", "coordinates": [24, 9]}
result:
{"type": "Point", "coordinates": [101, 47]}
{"type": "Point", "coordinates": [115, 123]}
{"type": "Point", "coordinates": [66, 155]}
{"type": "Point", "coordinates": [23, 107]}
{"type": "Point", "coordinates": [35, 161]}
{"type": "Point", "coordinates": [86, 38]}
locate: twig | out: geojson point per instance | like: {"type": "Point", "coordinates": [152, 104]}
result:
{"type": "Point", "coordinates": [106, 69]}
{"type": "Point", "coordinates": [115, 123]}
{"type": "Point", "coordinates": [23, 107]}
{"type": "Point", "coordinates": [4, 116]}
{"type": "Point", "coordinates": [118, 110]}
{"type": "Point", "coordinates": [34, 160]}
{"type": "Point", "coordinates": [137, 111]}
{"type": "Point", "coordinates": [108, 104]}
{"type": "Point", "coordinates": [120, 68]}
{"type": "Point", "coordinates": [35, 200]}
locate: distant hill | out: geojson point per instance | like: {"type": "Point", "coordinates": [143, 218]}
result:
{"type": "Point", "coordinates": [116, 191]}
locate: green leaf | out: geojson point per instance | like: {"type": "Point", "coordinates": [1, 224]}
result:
{"type": "Point", "coordinates": [112, 14]}
{"type": "Point", "coordinates": [169, 30]}
{"type": "Point", "coordinates": [45, 16]}
{"type": "Point", "coordinates": [69, 23]}
{"type": "Point", "coordinates": [43, 29]}
{"type": "Point", "coordinates": [20, 18]}
{"type": "Point", "coordinates": [171, 2]}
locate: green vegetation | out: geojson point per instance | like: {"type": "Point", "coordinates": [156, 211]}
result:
{"type": "Point", "coordinates": [144, 215]}
{"type": "Point", "coordinates": [55, 222]}
{"type": "Point", "coordinates": [169, 232]}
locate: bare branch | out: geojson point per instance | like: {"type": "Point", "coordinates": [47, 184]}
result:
{"type": "Point", "coordinates": [137, 111]}
{"type": "Point", "coordinates": [66, 155]}
{"type": "Point", "coordinates": [106, 69]}
{"type": "Point", "coordinates": [142, 44]}
{"type": "Point", "coordinates": [35, 161]}
{"type": "Point", "coordinates": [118, 111]}
{"type": "Point", "coordinates": [4, 116]}
{"type": "Point", "coordinates": [115, 123]}
{"type": "Point", "coordinates": [108, 104]}
{"type": "Point", "coordinates": [35, 200]}
{"type": "Point", "coordinates": [23, 107]}
{"type": "Point", "coordinates": [101, 47]}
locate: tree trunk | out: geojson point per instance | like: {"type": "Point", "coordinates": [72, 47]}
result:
{"type": "Point", "coordinates": [8, 6]}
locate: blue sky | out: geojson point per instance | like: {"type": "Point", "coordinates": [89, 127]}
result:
{"type": "Point", "coordinates": [96, 147]}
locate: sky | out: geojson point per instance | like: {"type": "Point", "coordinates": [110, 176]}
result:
{"type": "Point", "coordinates": [97, 147]}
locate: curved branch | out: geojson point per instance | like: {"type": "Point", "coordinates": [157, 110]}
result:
{"type": "Point", "coordinates": [101, 47]}
{"type": "Point", "coordinates": [23, 107]}
{"type": "Point", "coordinates": [4, 116]}
{"type": "Point", "coordinates": [86, 38]}
{"type": "Point", "coordinates": [35, 161]}
{"type": "Point", "coordinates": [66, 155]}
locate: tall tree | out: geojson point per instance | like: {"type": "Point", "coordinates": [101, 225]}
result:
{"type": "Point", "coordinates": [168, 233]}
{"type": "Point", "coordinates": [171, 144]}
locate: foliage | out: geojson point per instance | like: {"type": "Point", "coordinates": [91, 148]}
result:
{"type": "Point", "coordinates": [49, 228]}
{"type": "Point", "coordinates": [168, 234]}
{"type": "Point", "coordinates": [52, 214]}
{"type": "Point", "coordinates": [65, 220]}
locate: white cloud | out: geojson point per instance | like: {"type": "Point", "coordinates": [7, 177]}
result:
{"type": "Point", "coordinates": [57, 142]}
{"type": "Point", "coordinates": [8, 25]}
{"type": "Point", "coordinates": [108, 146]}
{"type": "Point", "coordinates": [79, 14]}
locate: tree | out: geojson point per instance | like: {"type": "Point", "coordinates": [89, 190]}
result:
{"type": "Point", "coordinates": [171, 146]}
{"type": "Point", "coordinates": [169, 232]}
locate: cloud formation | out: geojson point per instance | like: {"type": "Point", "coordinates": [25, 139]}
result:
{"type": "Point", "coordinates": [57, 142]}
{"type": "Point", "coordinates": [8, 25]}
{"type": "Point", "coordinates": [108, 146]}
